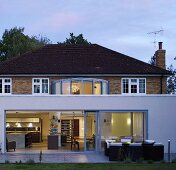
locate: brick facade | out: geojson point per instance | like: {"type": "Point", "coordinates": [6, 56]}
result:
{"type": "Point", "coordinates": [154, 85]}
{"type": "Point", "coordinates": [23, 85]}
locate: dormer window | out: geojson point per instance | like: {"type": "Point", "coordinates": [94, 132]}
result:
{"type": "Point", "coordinates": [5, 85]}
{"type": "Point", "coordinates": [133, 86]}
{"type": "Point", "coordinates": [40, 86]}
{"type": "Point", "coordinates": [76, 86]}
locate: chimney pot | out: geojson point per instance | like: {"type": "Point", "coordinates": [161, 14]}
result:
{"type": "Point", "coordinates": [160, 44]}
{"type": "Point", "coordinates": [160, 56]}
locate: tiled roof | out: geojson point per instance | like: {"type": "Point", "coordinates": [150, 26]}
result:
{"type": "Point", "coordinates": [76, 59]}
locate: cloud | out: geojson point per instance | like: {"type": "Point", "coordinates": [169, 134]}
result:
{"type": "Point", "coordinates": [120, 25]}
{"type": "Point", "coordinates": [62, 20]}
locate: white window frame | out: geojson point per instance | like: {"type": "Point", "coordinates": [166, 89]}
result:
{"type": "Point", "coordinates": [131, 83]}
{"type": "Point", "coordinates": [104, 83]}
{"type": "Point", "coordinates": [40, 85]}
{"type": "Point", "coordinates": [6, 83]}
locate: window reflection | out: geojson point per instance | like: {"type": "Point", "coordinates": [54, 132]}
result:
{"type": "Point", "coordinates": [65, 87]}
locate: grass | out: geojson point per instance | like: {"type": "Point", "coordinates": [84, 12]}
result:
{"type": "Point", "coordinates": [90, 166]}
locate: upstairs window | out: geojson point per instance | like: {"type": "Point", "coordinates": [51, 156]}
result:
{"type": "Point", "coordinates": [5, 85]}
{"type": "Point", "coordinates": [133, 86]}
{"type": "Point", "coordinates": [40, 86]}
{"type": "Point", "coordinates": [80, 86]}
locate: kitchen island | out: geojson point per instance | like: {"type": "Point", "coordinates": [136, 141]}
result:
{"type": "Point", "coordinates": [22, 140]}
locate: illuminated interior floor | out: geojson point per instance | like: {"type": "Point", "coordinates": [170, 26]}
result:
{"type": "Point", "coordinates": [43, 146]}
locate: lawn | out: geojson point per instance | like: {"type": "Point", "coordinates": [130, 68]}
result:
{"type": "Point", "coordinates": [89, 166]}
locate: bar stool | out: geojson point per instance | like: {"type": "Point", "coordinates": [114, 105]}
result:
{"type": "Point", "coordinates": [74, 143]}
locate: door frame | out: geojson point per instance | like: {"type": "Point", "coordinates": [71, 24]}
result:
{"type": "Point", "coordinates": [97, 130]}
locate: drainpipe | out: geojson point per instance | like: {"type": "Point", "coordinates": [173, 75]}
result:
{"type": "Point", "coordinates": [161, 84]}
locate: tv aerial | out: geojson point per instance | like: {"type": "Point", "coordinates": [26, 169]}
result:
{"type": "Point", "coordinates": [155, 33]}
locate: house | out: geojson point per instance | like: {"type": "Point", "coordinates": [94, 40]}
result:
{"type": "Point", "coordinates": [73, 97]}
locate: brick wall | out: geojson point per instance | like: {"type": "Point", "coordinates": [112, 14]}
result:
{"type": "Point", "coordinates": [154, 85]}
{"type": "Point", "coordinates": [23, 85]}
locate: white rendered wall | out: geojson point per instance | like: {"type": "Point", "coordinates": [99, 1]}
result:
{"type": "Point", "coordinates": [161, 110]}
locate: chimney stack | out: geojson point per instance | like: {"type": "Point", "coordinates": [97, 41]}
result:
{"type": "Point", "coordinates": [160, 56]}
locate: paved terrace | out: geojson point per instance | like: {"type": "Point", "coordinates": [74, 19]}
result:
{"type": "Point", "coordinates": [51, 157]}
{"type": "Point", "coordinates": [55, 157]}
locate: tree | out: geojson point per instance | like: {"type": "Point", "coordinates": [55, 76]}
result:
{"type": "Point", "coordinates": [152, 60]}
{"type": "Point", "coordinates": [14, 43]}
{"type": "Point", "coordinates": [75, 40]}
{"type": "Point", "coordinates": [171, 81]}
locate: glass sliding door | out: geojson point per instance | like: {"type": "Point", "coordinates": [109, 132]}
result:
{"type": "Point", "coordinates": [139, 126]}
{"type": "Point", "coordinates": [117, 125]}
{"type": "Point", "coordinates": [90, 131]}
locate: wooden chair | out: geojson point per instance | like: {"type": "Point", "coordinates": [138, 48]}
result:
{"type": "Point", "coordinates": [74, 143]}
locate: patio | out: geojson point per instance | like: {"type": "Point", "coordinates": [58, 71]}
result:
{"type": "Point", "coordinates": [55, 157]}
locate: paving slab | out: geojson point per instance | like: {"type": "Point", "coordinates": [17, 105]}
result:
{"type": "Point", "coordinates": [55, 157]}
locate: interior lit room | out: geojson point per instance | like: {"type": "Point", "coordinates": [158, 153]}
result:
{"type": "Point", "coordinates": [119, 125]}
{"type": "Point", "coordinates": [71, 130]}
{"type": "Point", "coordinates": [61, 130]}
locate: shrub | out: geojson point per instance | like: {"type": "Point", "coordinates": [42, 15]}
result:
{"type": "Point", "coordinates": [174, 161]}
{"type": "Point", "coordinates": [40, 156]}
{"type": "Point", "coordinates": [128, 160]}
{"type": "Point", "coordinates": [20, 162]}
{"type": "Point", "coordinates": [150, 161]}
{"type": "Point", "coordinates": [163, 161]}
{"type": "Point", "coordinates": [7, 161]}
{"type": "Point", "coordinates": [140, 160]}
{"type": "Point", "coordinates": [30, 161]}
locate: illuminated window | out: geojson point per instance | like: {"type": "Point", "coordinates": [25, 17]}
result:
{"type": "Point", "coordinates": [77, 86]}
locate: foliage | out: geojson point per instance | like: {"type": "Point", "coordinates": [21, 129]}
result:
{"type": "Point", "coordinates": [75, 40]}
{"type": "Point", "coordinates": [7, 161]}
{"type": "Point", "coordinates": [140, 160]}
{"type": "Point", "coordinates": [174, 161]}
{"type": "Point", "coordinates": [128, 160]}
{"type": "Point", "coordinates": [152, 60]}
{"type": "Point", "coordinates": [171, 81]}
{"type": "Point", "coordinates": [40, 156]}
{"type": "Point", "coordinates": [150, 161]}
{"type": "Point", "coordinates": [20, 162]}
{"type": "Point", "coordinates": [30, 161]}
{"type": "Point", "coordinates": [14, 43]}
